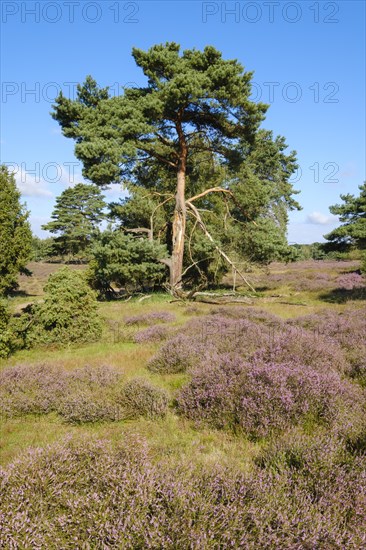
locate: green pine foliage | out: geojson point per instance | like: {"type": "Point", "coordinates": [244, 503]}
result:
{"type": "Point", "coordinates": [76, 218]}
{"type": "Point", "coordinates": [15, 233]}
{"type": "Point", "coordinates": [352, 213]}
{"type": "Point", "coordinates": [120, 260]}
{"type": "Point", "coordinates": [68, 314]}
{"type": "Point", "coordinates": [5, 333]}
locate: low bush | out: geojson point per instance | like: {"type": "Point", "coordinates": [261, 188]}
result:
{"type": "Point", "coordinates": [156, 333]}
{"type": "Point", "coordinates": [267, 342]}
{"type": "Point", "coordinates": [87, 394]}
{"type": "Point", "coordinates": [84, 405]}
{"type": "Point", "coordinates": [203, 335]}
{"type": "Point", "coordinates": [347, 329]}
{"type": "Point", "coordinates": [68, 313]}
{"type": "Point", "coordinates": [261, 398]}
{"type": "Point", "coordinates": [349, 281]}
{"type": "Point", "coordinates": [305, 347]}
{"type": "Point", "coordinates": [92, 495]}
{"type": "Point", "coordinates": [177, 355]}
{"type": "Point", "coordinates": [141, 398]}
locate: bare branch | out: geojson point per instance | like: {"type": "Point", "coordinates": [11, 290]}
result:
{"type": "Point", "coordinates": [166, 261]}
{"type": "Point", "coordinates": [221, 252]}
{"type": "Point", "coordinates": [212, 190]}
{"type": "Point", "coordinates": [221, 190]}
{"type": "Point", "coordinates": [155, 209]}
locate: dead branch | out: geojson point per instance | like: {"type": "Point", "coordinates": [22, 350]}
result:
{"type": "Point", "coordinates": [221, 252]}
{"type": "Point", "coordinates": [221, 300]}
{"type": "Point", "coordinates": [153, 213]}
{"type": "Point", "coordinates": [212, 190]}
{"type": "Point", "coordinates": [144, 298]}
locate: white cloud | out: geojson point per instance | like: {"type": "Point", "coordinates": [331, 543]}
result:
{"type": "Point", "coordinates": [36, 224]}
{"type": "Point", "coordinates": [31, 185]}
{"type": "Point", "coordinates": [317, 218]}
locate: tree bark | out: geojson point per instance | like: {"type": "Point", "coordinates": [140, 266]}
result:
{"type": "Point", "coordinates": [180, 214]}
{"type": "Point", "coordinates": [179, 230]}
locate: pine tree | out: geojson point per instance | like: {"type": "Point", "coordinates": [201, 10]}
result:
{"type": "Point", "coordinates": [195, 102]}
{"type": "Point", "coordinates": [353, 215]}
{"type": "Point", "coordinates": [75, 218]}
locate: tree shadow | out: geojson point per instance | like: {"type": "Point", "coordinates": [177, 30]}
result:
{"type": "Point", "coordinates": [343, 295]}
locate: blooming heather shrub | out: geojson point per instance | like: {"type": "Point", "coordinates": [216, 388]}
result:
{"type": "Point", "coordinates": [177, 355]}
{"type": "Point", "coordinates": [301, 278]}
{"type": "Point", "coordinates": [35, 389]}
{"type": "Point", "coordinates": [193, 310]}
{"type": "Point", "coordinates": [228, 335]}
{"type": "Point", "coordinates": [94, 377]}
{"type": "Point", "coordinates": [151, 318]}
{"type": "Point", "coordinates": [259, 398]}
{"type": "Point", "coordinates": [349, 281]}
{"type": "Point", "coordinates": [347, 329]}
{"type": "Point", "coordinates": [141, 398]}
{"type": "Point", "coordinates": [156, 333]}
{"type": "Point", "coordinates": [296, 450]}
{"type": "Point", "coordinates": [204, 335]}
{"type": "Point", "coordinates": [316, 473]}
{"type": "Point", "coordinates": [86, 394]}
{"type": "Point", "coordinates": [307, 348]}
{"type": "Point", "coordinates": [93, 495]}
{"type": "Point", "coordinates": [267, 342]}
{"type": "Point", "coordinates": [250, 313]}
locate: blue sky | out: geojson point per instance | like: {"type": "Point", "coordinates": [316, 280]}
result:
{"type": "Point", "coordinates": [308, 60]}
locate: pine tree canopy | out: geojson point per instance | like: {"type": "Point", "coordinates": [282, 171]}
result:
{"type": "Point", "coordinates": [353, 215]}
{"type": "Point", "coordinates": [76, 218]}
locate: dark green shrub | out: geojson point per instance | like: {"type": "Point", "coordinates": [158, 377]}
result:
{"type": "Point", "coordinates": [122, 261]}
{"type": "Point", "coordinates": [69, 311]}
{"type": "Point", "coordinates": [15, 233]}
{"type": "Point", "coordinates": [5, 334]}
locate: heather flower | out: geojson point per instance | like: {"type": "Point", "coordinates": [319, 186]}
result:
{"type": "Point", "coordinates": [349, 281]}
{"type": "Point", "coordinates": [84, 405]}
{"type": "Point", "coordinates": [86, 394]}
{"type": "Point", "coordinates": [92, 494]}
{"type": "Point", "coordinates": [177, 355]}
{"type": "Point", "coordinates": [347, 329]}
{"type": "Point", "coordinates": [260, 398]}
{"type": "Point", "coordinates": [156, 333]}
{"type": "Point", "coordinates": [292, 344]}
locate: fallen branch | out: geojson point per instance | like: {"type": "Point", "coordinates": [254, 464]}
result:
{"type": "Point", "coordinates": [221, 300]}
{"type": "Point", "coordinates": [144, 298]}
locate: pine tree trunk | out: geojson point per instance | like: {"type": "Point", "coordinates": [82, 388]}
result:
{"type": "Point", "coordinates": [179, 229]}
